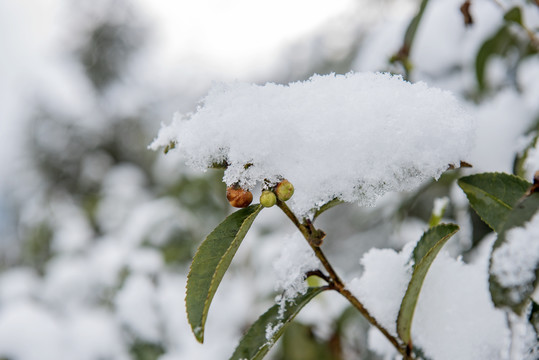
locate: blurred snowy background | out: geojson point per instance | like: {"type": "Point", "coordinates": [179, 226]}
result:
{"type": "Point", "coordinates": [97, 232]}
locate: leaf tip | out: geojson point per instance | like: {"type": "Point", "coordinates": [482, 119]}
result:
{"type": "Point", "coordinates": [199, 333]}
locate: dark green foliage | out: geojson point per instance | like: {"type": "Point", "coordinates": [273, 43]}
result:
{"type": "Point", "coordinates": [255, 343]}
{"type": "Point", "coordinates": [515, 297]}
{"type": "Point", "coordinates": [493, 195]}
{"type": "Point", "coordinates": [211, 262]}
{"type": "Point", "coordinates": [424, 254]}
{"type": "Point", "coordinates": [146, 351]}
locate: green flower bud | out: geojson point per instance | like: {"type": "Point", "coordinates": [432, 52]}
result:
{"type": "Point", "coordinates": [268, 198]}
{"type": "Point", "coordinates": [284, 190]}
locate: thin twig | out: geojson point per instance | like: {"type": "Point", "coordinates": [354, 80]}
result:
{"type": "Point", "coordinates": [335, 281]}
{"type": "Point", "coordinates": [534, 40]}
{"type": "Point", "coordinates": [318, 273]}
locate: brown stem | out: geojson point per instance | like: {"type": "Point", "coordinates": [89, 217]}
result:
{"type": "Point", "coordinates": [318, 273]}
{"type": "Point", "coordinates": [335, 281]}
{"type": "Point", "coordinates": [291, 216]}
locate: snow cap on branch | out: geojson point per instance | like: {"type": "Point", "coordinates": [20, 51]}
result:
{"type": "Point", "coordinates": [353, 136]}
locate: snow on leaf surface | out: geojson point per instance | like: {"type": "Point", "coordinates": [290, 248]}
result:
{"type": "Point", "coordinates": [454, 306]}
{"type": "Point", "coordinates": [515, 262]}
{"type": "Point", "coordinates": [353, 136]}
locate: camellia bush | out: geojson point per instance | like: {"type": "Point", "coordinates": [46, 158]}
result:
{"type": "Point", "coordinates": [310, 146]}
{"type": "Point", "coordinates": [364, 232]}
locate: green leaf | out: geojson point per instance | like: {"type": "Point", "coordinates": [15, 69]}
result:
{"type": "Point", "coordinates": [211, 262]}
{"type": "Point", "coordinates": [521, 157]}
{"type": "Point", "coordinates": [424, 254]}
{"type": "Point", "coordinates": [514, 15]}
{"type": "Point", "coordinates": [533, 318]}
{"type": "Point", "coordinates": [414, 24]}
{"type": "Point", "coordinates": [255, 344]}
{"type": "Point", "coordinates": [515, 297]}
{"type": "Point", "coordinates": [499, 44]}
{"type": "Point", "coordinates": [326, 207]}
{"type": "Point", "coordinates": [493, 195]}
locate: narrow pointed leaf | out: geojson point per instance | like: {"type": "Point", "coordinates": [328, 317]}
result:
{"type": "Point", "coordinates": [211, 262]}
{"type": "Point", "coordinates": [414, 24]}
{"type": "Point", "coordinates": [514, 296]}
{"type": "Point", "coordinates": [258, 340]}
{"type": "Point", "coordinates": [493, 195]}
{"type": "Point", "coordinates": [498, 44]}
{"type": "Point", "coordinates": [424, 254]}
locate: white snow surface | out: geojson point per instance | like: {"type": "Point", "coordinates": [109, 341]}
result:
{"type": "Point", "coordinates": [454, 306]}
{"type": "Point", "coordinates": [295, 260]}
{"type": "Point", "coordinates": [515, 261]}
{"type": "Point", "coordinates": [353, 136]}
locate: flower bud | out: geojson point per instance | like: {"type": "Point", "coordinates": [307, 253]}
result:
{"type": "Point", "coordinates": [268, 198]}
{"type": "Point", "coordinates": [284, 190]}
{"type": "Point", "coordinates": [238, 197]}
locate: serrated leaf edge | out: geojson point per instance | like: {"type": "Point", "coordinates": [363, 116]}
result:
{"type": "Point", "coordinates": [459, 181]}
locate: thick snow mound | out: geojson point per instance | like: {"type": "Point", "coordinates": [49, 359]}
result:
{"type": "Point", "coordinates": [353, 136]}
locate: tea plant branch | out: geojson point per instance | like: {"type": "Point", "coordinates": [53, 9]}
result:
{"type": "Point", "coordinates": [403, 54]}
{"type": "Point", "coordinates": [310, 233]}
{"type": "Point", "coordinates": [534, 40]}
{"type": "Point", "coordinates": [318, 273]}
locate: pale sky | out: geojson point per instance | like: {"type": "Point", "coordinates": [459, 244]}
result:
{"type": "Point", "coordinates": [232, 35]}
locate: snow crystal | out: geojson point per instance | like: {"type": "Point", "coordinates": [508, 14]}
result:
{"type": "Point", "coordinates": [515, 261]}
{"type": "Point", "coordinates": [271, 330]}
{"type": "Point", "coordinates": [353, 136]}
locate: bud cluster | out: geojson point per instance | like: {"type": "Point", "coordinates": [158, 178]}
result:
{"type": "Point", "coordinates": [241, 198]}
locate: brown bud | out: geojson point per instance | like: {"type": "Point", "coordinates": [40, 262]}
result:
{"type": "Point", "coordinates": [238, 197]}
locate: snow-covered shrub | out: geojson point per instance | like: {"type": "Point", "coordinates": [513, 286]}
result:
{"type": "Point", "coordinates": [97, 233]}
{"type": "Point", "coordinates": [355, 138]}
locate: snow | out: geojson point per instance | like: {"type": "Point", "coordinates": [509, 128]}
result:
{"type": "Point", "coordinates": [106, 285]}
{"type": "Point", "coordinates": [137, 308]}
{"type": "Point", "coordinates": [498, 132]}
{"type": "Point", "coordinates": [515, 262]}
{"type": "Point", "coordinates": [454, 306]}
{"type": "Point", "coordinates": [290, 267]}
{"type": "Point", "coordinates": [30, 331]}
{"type": "Point", "coordinates": [353, 136]}
{"type": "Point", "coordinates": [383, 284]}
{"type": "Point", "coordinates": [440, 204]}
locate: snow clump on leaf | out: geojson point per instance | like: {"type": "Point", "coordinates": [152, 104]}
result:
{"type": "Point", "coordinates": [352, 137]}
{"type": "Point", "coordinates": [516, 261]}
